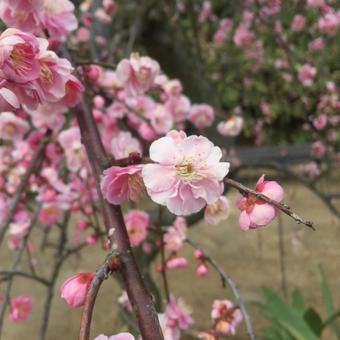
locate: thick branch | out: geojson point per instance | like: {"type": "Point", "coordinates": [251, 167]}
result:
{"type": "Point", "coordinates": [281, 206]}
{"type": "Point", "coordinates": [227, 280]}
{"type": "Point", "coordinates": [116, 230]}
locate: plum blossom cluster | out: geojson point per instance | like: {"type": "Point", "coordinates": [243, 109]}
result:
{"type": "Point", "coordinates": [35, 16]}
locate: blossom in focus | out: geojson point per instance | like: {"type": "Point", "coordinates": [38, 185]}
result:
{"type": "Point", "coordinates": [226, 317]}
{"type": "Point", "coordinates": [74, 289]}
{"type": "Point", "coordinates": [254, 211]}
{"type": "Point", "coordinates": [201, 115]}
{"type": "Point", "coordinates": [119, 336]}
{"type": "Point", "coordinates": [20, 308]}
{"type": "Point", "coordinates": [19, 56]}
{"type": "Point", "coordinates": [12, 128]}
{"type": "Point", "coordinates": [137, 74]}
{"type": "Point", "coordinates": [217, 211]}
{"type": "Point", "coordinates": [230, 127]}
{"type": "Point", "coordinates": [192, 174]}
{"type": "Point", "coordinates": [121, 184]}
{"type": "Point", "coordinates": [137, 223]}
{"type": "Point", "coordinates": [307, 74]}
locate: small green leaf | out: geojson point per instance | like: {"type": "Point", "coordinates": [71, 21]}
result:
{"type": "Point", "coordinates": [314, 321]}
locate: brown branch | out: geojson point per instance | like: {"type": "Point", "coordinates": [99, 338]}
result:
{"type": "Point", "coordinates": [226, 280]}
{"type": "Point", "coordinates": [8, 274]}
{"type": "Point", "coordinates": [117, 233]}
{"type": "Point", "coordinates": [111, 264]}
{"type": "Point", "coordinates": [32, 167]}
{"type": "Point", "coordinates": [281, 206]}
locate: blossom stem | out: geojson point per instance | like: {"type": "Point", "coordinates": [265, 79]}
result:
{"type": "Point", "coordinates": [226, 280]}
{"type": "Point", "coordinates": [245, 191]}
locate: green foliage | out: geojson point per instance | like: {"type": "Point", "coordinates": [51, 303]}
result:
{"type": "Point", "coordinates": [296, 321]}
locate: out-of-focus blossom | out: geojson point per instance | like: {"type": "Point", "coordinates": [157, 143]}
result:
{"type": "Point", "coordinates": [119, 336]}
{"type": "Point", "coordinates": [175, 235]}
{"type": "Point", "coordinates": [12, 128]}
{"type": "Point", "coordinates": [201, 115]}
{"type": "Point", "coordinates": [329, 23]}
{"type": "Point", "coordinates": [20, 307]}
{"type": "Point", "coordinates": [49, 214]}
{"type": "Point", "coordinates": [307, 74]}
{"type": "Point", "coordinates": [179, 107]}
{"type": "Point", "coordinates": [230, 127]}
{"type": "Point", "coordinates": [243, 36]}
{"type": "Point", "coordinates": [217, 211]}
{"type": "Point", "coordinates": [123, 300]}
{"type": "Point", "coordinates": [176, 262]}
{"type": "Point", "coordinates": [177, 310]}
{"type": "Point", "coordinates": [255, 212]}
{"type": "Point", "coordinates": [124, 144]}
{"type": "Point", "coordinates": [137, 223]}
{"type": "Point", "coordinates": [202, 270]}
{"type": "Point", "coordinates": [298, 23]}
{"type": "Point", "coordinates": [318, 149]}
{"type": "Point", "coordinates": [161, 119]}
{"type": "Point", "coordinates": [320, 122]}
{"type": "Point", "coordinates": [191, 171]}
{"type": "Point", "coordinates": [122, 184]}
{"type": "Point", "coordinates": [74, 289]}
{"type": "Point", "coordinates": [226, 316]}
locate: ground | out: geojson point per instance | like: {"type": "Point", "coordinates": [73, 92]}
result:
{"type": "Point", "coordinates": [251, 259]}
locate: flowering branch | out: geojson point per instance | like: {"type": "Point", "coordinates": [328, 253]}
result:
{"type": "Point", "coordinates": [112, 263]}
{"type": "Point", "coordinates": [281, 206]}
{"type": "Point", "coordinates": [226, 280]}
{"type": "Point", "coordinates": [33, 166]}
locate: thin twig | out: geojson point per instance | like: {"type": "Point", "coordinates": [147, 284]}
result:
{"type": "Point", "coordinates": [227, 280]}
{"type": "Point", "coordinates": [8, 274]}
{"type": "Point", "coordinates": [281, 206]}
{"type": "Point", "coordinates": [33, 166]}
{"type": "Point", "coordinates": [102, 273]}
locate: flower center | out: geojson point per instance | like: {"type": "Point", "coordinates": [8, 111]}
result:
{"type": "Point", "coordinates": [10, 129]}
{"type": "Point", "coordinates": [186, 172]}
{"type": "Point", "coordinates": [46, 74]}
{"type": "Point", "coordinates": [17, 58]}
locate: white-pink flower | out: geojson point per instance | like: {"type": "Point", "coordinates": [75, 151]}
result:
{"type": "Point", "coordinates": [189, 174]}
{"type": "Point", "coordinates": [161, 119]}
{"type": "Point", "coordinates": [137, 74]}
{"type": "Point", "coordinates": [175, 235]}
{"type": "Point", "coordinates": [119, 336]}
{"type": "Point", "coordinates": [137, 222]}
{"type": "Point", "coordinates": [230, 127]}
{"type": "Point", "coordinates": [12, 128]}
{"type": "Point", "coordinates": [218, 211]}
{"type": "Point", "coordinates": [124, 144]}
{"type": "Point", "coordinates": [201, 115]}
{"type": "Point", "coordinates": [178, 311]}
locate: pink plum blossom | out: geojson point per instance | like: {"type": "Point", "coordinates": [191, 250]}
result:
{"type": "Point", "coordinates": [178, 311]}
{"type": "Point", "coordinates": [176, 262]}
{"type": "Point", "coordinates": [230, 127]}
{"type": "Point", "coordinates": [254, 211]}
{"type": "Point", "coordinates": [8, 100]}
{"type": "Point", "coordinates": [217, 211]}
{"type": "Point", "coordinates": [329, 23]}
{"type": "Point", "coordinates": [124, 144]}
{"type": "Point", "coordinates": [137, 223]}
{"type": "Point", "coordinates": [202, 270]}
{"type": "Point", "coordinates": [49, 214]}
{"type": "Point", "coordinates": [169, 329]}
{"type": "Point", "coordinates": [58, 17]}
{"type": "Point", "coordinates": [137, 74]}
{"type": "Point", "coordinates": [175, 235]}
{"type": "Point", "coordinates": [161, 119]}
{"type": "Point", "coordinates": [19, 56]}
{"type": "Point", "coordinates": [179, 107]}
{"type": "Point", "coordinates": [22, 14]}
{"type": "Point", "coordinates": [12, 128]}
{"type": "Point", "coordinates": [70, 141]}
{"type": "Point", "coordinates": [74, 289]}
{"type": "Point", "coordinates": [119, 184]}
{"type": "Point", "coordinates": [243, 36]}
{"type": "Point", "coordinates": [226, 316]}
{"type": "Point", "coordinates": [320, 122]}
{"type": "Point", "coordinates": [201, 115]}
{"type": "Point", "coordinates": [119, 336]}
{"type": "Point", "coordinates": [298, 23]}
{"type": "Point", "coordinates": [192, 173]}
{"type": "Point", "coordinates": [20, 307]}
{"type": "Point", "coordinates": [318, 149]}
{"type": "Point", "coordinates": [307, 74]}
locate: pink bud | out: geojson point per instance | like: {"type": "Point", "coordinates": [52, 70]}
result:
{"type": "Point", "coordinates": [202, 270]}
{"type": "Point", "coordinates": [91, 240]}
{"type": "Point", "coordinates": [92, 73]}
{"type": "Point", "coordinates": [176, 262]}
{"type": "Point", "coordinates": [172, 323]}
{"type": "Point", "coordinates": [198, 254]}
{"type": "Point", "coordinates": [82, 225]}
{"type": "Point", "coordinates": [74, 289]}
